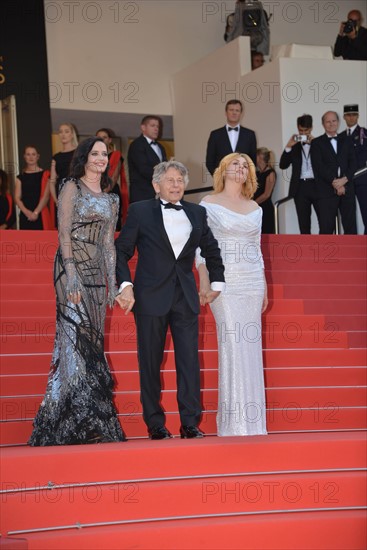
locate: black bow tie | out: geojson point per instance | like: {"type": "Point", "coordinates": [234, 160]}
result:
{"type": "Point", "coordinates": [330, 138]}
{"type": "Point", "coordinates": [153, 143]}
{"type": "Point", "coordinates": [171, 205]}
{"type": "Point", "coordinates": [235, 129]}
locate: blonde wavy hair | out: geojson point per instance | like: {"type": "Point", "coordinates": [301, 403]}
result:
{"type": "Point", "coordinates": [248, 187]}
{"type": "Point", "coordinates": [73, 131]}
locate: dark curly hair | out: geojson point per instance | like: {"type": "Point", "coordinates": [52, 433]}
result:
{"type": "Point", "coordinates": [80, 158]}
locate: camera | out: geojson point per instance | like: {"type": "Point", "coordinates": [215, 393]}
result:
{"type": "Point", "coordinates": [349, 26]}
{"type": "Point", "coordinates": [300, 138]}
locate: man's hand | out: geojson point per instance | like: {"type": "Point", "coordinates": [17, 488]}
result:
{"type": "Point", "coordinates": [341, 29]}
{"type": "Point", "coordinates": [340, 191]}
{"type": "Point", "coordinates": [126, 299]}
{"type": "Point", "coordinates": [291, 141]}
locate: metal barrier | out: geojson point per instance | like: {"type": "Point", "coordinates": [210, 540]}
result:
{"type": "Point", "coordinates": [276, 214]}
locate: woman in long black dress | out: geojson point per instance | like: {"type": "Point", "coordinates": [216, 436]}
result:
{"type": "Point", "coordinates": [32, 192]}
{"type": "Point", "coordinates": [78, 407]}
{"type": "Point", "coordinates": [266, 178]}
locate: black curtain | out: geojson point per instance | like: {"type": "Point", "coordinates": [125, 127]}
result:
{"type": "Point", "coordinates": [24, 73]}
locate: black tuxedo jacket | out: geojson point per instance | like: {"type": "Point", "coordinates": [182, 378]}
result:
{"type": "Point", "coordinates": [359, 143]}
{"type": "Point", "coordinates": [158, 270]}
{"type": "Point", "coordinates": [141, 159]}
{"type": "Point", "coordinates": [325, 163]}
{"type": "Point", "coordinates": [219, 146]}
{"type": "Point", "coordinates": [294, 158]}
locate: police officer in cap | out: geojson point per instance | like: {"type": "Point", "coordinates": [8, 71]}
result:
{"type": "Point", "coordinates": [358, 135]}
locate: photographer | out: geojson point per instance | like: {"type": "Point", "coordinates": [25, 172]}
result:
{"type": "Point", "coordinates": [303, 187]}
{"type": "Point", "coordinates": [351, 42]}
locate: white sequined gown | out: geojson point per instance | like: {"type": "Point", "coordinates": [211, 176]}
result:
{"type": "Point", "coordinates": [237, 312]}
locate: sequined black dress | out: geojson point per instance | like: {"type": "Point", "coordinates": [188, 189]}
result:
{"type": "Point", "coordinates": [77, 407]}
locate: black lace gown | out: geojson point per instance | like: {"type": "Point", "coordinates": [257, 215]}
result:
{"type": "Point", "coordinates": [77, 407]}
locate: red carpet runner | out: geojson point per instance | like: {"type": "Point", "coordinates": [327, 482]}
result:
{"type": "Point", "coordinates": [301, 487]}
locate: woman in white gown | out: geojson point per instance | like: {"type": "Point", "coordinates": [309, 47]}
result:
{"type": "Point", "coordinates": [235, 220]}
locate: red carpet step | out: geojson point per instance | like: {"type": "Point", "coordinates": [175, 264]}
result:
{"type": "Point", "coordinates": [217, 482]}
{"type": "Point", "coordinates": [302, 486]}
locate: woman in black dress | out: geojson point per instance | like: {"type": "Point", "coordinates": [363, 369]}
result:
{"type": "Point", "coordinates": [266, 178]}
{"type": "Point", "coordinates": [60, 165]}
{"type": "Point", "coordinates": [32, 192]}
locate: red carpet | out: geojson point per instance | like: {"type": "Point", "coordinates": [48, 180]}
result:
{"type": "Point", "coordinates": [290, 489]}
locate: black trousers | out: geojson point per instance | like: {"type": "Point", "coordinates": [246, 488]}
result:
{"type": "Point", "coordinates": [361, 192]}
{"type": "Point", "coordinates": [328, 209]}
{"type": "Point", "coordinates": [151, 333]}
{"type": "Point", "coordinates": [305, 198]}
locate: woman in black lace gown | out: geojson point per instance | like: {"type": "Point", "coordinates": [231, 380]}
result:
{"type": "Point", "coordinates": [78, 407]}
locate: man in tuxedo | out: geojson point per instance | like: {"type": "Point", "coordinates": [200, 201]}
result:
{"type": "Point", "coordinates": [231, 138]}
{"type": "Point", "coordinates": [167, 231]}
{"type": "Point", "coordinates": [302, 185]}
{"type": "Point", "coordinates": [144, 153]}
{"type": "Point", "coordinates": [333, 163]}
{"type": "Point", "coordinates": [358, 137]}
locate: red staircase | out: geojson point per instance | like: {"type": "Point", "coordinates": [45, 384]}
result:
{"type": "Point", "coordinates": [300, 487]}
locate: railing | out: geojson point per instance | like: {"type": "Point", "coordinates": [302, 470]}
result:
{"type": "Point", "coordinates": [199, 190]}
{"type": "Point", "coordinates": [276, 214]}
{"type": "Point", "coordinates": [286, 199]}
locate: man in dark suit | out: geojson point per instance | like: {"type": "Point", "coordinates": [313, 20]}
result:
{"type": "Point", "coordinates": [302, 185]}
{"type": "Point", "coordinates": [144, 153]}
{"type": "Point", "coordinates": [358, 137]}
{"type": "Point", "coordinates": [167, 233]}
{"type": "Point", "coordinates": [333, 163]}
{"type": "Point", "coordinates": [231, 138]}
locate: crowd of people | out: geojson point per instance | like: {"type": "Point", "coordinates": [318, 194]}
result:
{"type": "Point", "coordinates": [84, 196]}
{"type": "Point", "coordinates": [91, 271]}
{"type": "Point", "coordinates": [221, 235]}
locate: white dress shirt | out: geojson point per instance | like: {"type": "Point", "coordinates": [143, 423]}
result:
{"type": "Point", "coordinates": [178, 228]}
{"type": "Point", "coordinates": [306, 168]}
{"type": "Point", "coordinates": [155, 147]}
{"type": "Point", "coordinates": [233, 136]}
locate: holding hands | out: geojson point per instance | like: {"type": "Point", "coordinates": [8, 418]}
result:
{"type": "Point", "coordinates": [206, 294]}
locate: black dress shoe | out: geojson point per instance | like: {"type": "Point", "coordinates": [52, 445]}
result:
{"type": "Point", "coordinates": [159, 433]}
{"type": "Point", "coordinates": [189, 432]}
